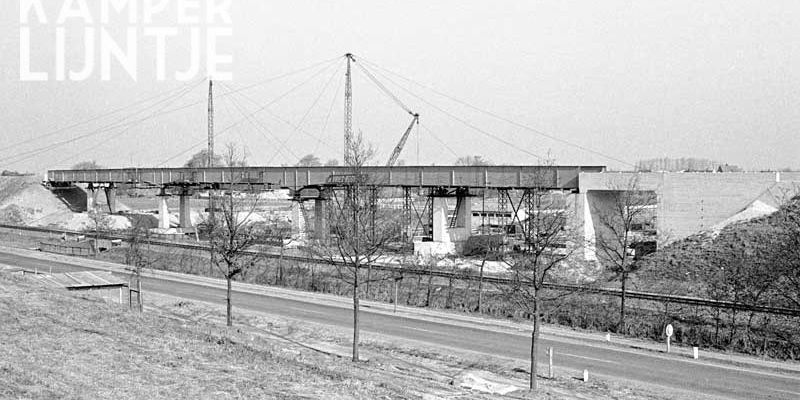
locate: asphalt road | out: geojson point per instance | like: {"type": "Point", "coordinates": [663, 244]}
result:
{"type": "Point", "coordinates": [670, 371]}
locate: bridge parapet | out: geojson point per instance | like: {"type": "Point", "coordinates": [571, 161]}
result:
{"type": "Point", "coordinates": [551, 177]}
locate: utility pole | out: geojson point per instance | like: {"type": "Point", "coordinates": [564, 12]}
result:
{"type": "Point", "coordinates": [348, 109]}
{"type": "Point", "coordinates": [210, 123]}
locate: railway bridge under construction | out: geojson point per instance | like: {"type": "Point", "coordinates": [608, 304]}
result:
{"type": "Point", "coordinates": [433, 183]}
{"type": "Point", "coordinates": [686, 203]}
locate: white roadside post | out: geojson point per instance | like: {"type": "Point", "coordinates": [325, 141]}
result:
{"type": "Point", "coordinates": [550, 354]}
{"type": "Point", "coordinates": [695, 352]}
{"type": "Point", "coordinates": [396, 282]}
{"type": "Point", "coordinates": [668, 331]}
{"type": "Point", "coordinates": [586, 375]}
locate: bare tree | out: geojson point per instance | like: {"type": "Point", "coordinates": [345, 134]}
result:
{"type": "Point", "coordinates": [547, 241]}
{"type": "Point", "coordinates": [360, 229]}
{"type": "Point", "coordinates": [232, 231]}
{"type": "Point", "coordinates": [280, 235]}
{"type": "Point", "coordinates": [626, 232]}
{"type": "Point", "coordinates": [91, 164]}
{"type": "Point", "coordinates": [233, 156]}
{"type": "Point", "coordinates": [140, 257]}
{"type": "Point", "coordinates": [309, 160]}
{"type": "Point", "coordinates": [475, 160]}
{"type": "Point", "coordinates": [332, 163]}
{"type": "Point", "coordinates": [426, 266]}
{"type": "Point", "coordinates": [100, 223]}
{"type": "Point", "coordinates": [488, 248]}
{"type": "Point", "coordinates": [200, 160]}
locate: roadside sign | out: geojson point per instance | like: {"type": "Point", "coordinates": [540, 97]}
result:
{"type": "Point", "coordinates": [668, 332]}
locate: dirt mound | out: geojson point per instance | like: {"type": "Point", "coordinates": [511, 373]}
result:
{"type": "Point", "coordinates": [743, 245]}
{"type": "Point", "coordinates": [23, 200]}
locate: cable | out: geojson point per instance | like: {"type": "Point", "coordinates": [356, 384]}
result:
{"type": "Point", "coordinates": [274, 78]}
{"type": "Point", "coordinates": [262, 108]}
{"type": "Point", "coordinates": [467, 123]}
{"type": "Point", "coordinates": [281, 97]}
{"type": "Point", "coordinates": [492, 114]}
{"type": "Point", "coordinates": [127, 128]}
{"type": "Point", "coordinates": [430, 132]}
{"type": "Point", "coordinates": [95, 118]}
{"type": "Point", "coordinates": [384, 89]}
{"type": "Point", "coordinates": [330, 112]}
{"type": "Point", "coordinates": [296, 127]}
{"type": "Point", "coordinates": [224, 108]}
{"type": "Point", "coordinates": [119, 123]}
{"type": "Point", "coordinates": [310, 108]}
{"type": "Point", "coordinates": [260, 128]}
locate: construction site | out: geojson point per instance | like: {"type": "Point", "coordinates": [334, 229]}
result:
{"type": "Point", "coordinates": [705, 256]}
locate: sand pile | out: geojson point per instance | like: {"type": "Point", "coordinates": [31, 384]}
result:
{"type": "Point", "coordinates": [23, 200]}
{"type": "Point", "coordinates": [755, 210]}
{"type": "Point", "coordinates": [84, 222]}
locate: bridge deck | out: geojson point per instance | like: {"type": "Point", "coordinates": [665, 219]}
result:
{"type": "Point", "coordinates": [553, 177]}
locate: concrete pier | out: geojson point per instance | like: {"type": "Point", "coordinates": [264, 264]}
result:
{"type": "Point", "coordinates": [91, 197]}
{"type": "Point", "coordinates": [111, 198]}
{"type": "Point", "coordinates": [464, 214]}
{"type": "Point", "coordinates": [163, 211]}
{"type": "Point", "coordinates": [321, 219]}
{"type": "Point", "coordinates": [298, 219]}
{"type": "Point", "coordinates": [185, 210]}
{"type": "Point", "coordinates": [440, 224]}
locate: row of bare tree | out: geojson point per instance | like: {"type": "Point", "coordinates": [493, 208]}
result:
{"type": "Point", "coordinates": [361, 232]}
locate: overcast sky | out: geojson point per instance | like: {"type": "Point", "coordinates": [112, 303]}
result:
{"type": "Point", "coordinates": [616, 81]}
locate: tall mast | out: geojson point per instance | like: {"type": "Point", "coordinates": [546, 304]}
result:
{"type": "Point", "coordinates": [210, 162]}
{"type": "Point", "coordinates": [348, 110]}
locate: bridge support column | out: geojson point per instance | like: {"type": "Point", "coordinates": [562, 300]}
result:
{"type": "Point", "coordinates": [464, 213]}
{"type": "Point", "coordinates": [440, 225]}
{"type": "Point", "coordinates": [442, 243]}
{"type": "Point", "coordinates": [321, 219]}
{"type": "Point", "coordinates": [298, 219]}
{"type": "Point", "coordinates": [163, 210]}
{"type": "Point", "coordinates": [185, 209]}
{"type": "Point", "coordinates": [91, 197]}
{"type": "Point", "coordinates": [111, 198]}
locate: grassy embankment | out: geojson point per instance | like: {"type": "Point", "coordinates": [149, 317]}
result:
{"type": "Point", "coordinates": [694, 326]}
{"type": "Point", "coordinates": [65, 345]}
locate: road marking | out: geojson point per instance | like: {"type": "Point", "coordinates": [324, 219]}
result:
{"type": "Point", "coordinates": [784, 391]}
{"type": "Point", "coordinates": [303, 310]}
{"type": "Point", "coordinates": [311, 311]}
{"type": "Point", "coordinates": [421, 330]}
{"type": "Point", "coordinates": [587, 358]}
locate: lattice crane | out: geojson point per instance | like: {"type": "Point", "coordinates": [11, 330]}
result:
{"type": "Point", "coordinates": [348, 111]}
{"type": "Point", "coordinates": [399, 148]}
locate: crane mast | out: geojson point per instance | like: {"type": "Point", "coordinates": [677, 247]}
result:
{"type": "Point", "coordinates": [348, 113]}
{"type": "Point", "coordinates": [399, 148]}
{"type": "Point", "coordinates": [210, 123]}
{"type": "Point", "coordinates": [348, 110]}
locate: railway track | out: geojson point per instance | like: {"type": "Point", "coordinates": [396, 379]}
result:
{"type": "Point", "coordinates": [664, 298]}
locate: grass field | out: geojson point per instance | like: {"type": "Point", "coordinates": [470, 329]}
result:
{"type": "Point", "coordinates": [57, 344]}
